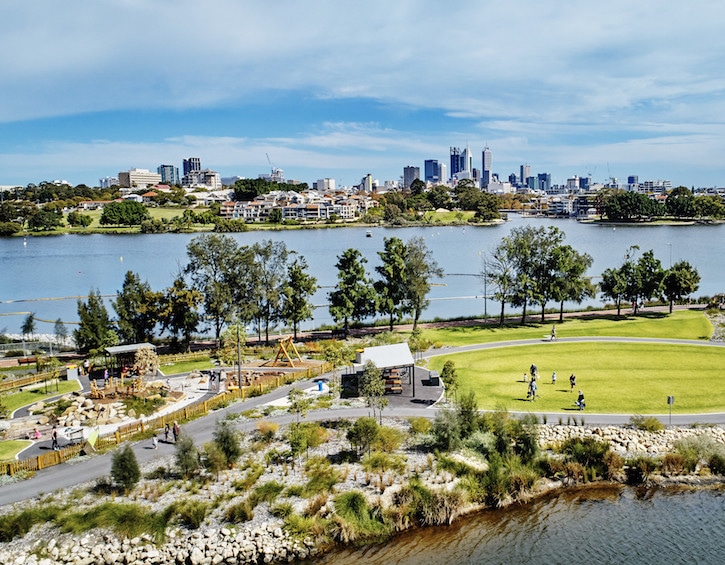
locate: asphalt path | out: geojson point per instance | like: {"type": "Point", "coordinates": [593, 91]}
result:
{"type": "Point", "coordinates": [92, 468]}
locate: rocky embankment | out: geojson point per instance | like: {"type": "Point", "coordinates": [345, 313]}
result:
{"type": "Point", "coordinates": [263, 540]}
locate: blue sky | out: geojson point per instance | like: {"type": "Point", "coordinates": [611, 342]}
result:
{"type": "Point", "coordinates": [341, 89]}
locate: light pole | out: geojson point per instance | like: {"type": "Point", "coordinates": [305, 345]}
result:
{"type": "Point", "coordinates": [485, 287]}
{"type": "Point", "coordinates": [670, 246]}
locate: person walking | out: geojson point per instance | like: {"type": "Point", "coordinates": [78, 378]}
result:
{"type": "Point", "coordinates": [553, 378]}
{"type": "Point", "coordinates": [553, 333]}
{"type": "Point", "coordinates": [167, 432]}
{"type": "Point", "coordinates": [572, 382]}
{"type": "Point", "coordinates": [176, 431]}
{"type": "Point", "coordinates": [580, 401]}
{"type": "Point", "coordinates": [155, 442]}
{"type": "Point", "coordinates": [532, 390]}
{"type": "Point", "coordinates": [54, 437]}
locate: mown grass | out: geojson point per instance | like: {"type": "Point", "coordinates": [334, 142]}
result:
{"type": "Point", "coordinates": [16, 400]}
{"type": "Point", "coordinates": [11, 447]}
{"type": "Point", "coordinates": [681, 324]}
{"type": "Point", "coordinates": [634, 378]}
{"type": "Point", "coordinates": [187, 366]}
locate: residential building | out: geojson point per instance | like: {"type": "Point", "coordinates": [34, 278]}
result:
{"type": "Point", "coordinates": [169, 174]}
{"type": "Point", "coordinates": [208, 179]}
{"type": "Point", "coordinates": [325, 185]}
{"type": "Point", "coordinates": [138, 178]}
{"type": "Point", "coordinates": [108, 182]}
{"type": "Point", "coordinates": [192, 164]}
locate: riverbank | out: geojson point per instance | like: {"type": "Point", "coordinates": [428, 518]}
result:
{"type": "Point", "coordinates": [270, 535]}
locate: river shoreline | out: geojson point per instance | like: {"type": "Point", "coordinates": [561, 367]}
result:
{"type": "Point", "coordinates": [263, 538]}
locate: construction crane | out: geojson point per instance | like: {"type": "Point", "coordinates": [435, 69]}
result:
{"type": "Point", "coordinates": [277, 174]}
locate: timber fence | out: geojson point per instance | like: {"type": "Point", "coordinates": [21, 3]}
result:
{"type": "Point", "coordinates": [153, 424]}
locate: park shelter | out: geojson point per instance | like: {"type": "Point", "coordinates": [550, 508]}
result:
{"type": "Point", "coordinates": [120, 356]}
{"type": "Point", "coordinates": [394, 361]}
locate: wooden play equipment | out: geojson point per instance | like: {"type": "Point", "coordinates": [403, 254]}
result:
{"type": "Point", "coordinates": [283, 351]}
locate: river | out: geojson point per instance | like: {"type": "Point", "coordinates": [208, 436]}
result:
{"type": "Point", "coordinates": [44, 275]}
{"type": "Point", "coordinates": [598, 525]}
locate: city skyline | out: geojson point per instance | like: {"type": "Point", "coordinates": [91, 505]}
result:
{"type": "Point", "coordinates": [326, 90]}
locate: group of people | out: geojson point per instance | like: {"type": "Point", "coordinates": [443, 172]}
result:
{"type": "Point", "coordinates": [533, 388]}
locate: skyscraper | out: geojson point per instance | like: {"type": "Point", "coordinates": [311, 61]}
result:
{"type": "Point", "coordinates": [432, 171]}
{"type": "Point", "coordinates": [467, 161]}
{"type": "Point", "coordinates": [409, 175]}
{"type": "Point", "coordinates": [192, 164]}
{"type": "Point", "coordinates": [455, 161]}
{"type": "Point", "coordinates": [486, 174]}
{"type": "Point", "coordinates": [525, 173]}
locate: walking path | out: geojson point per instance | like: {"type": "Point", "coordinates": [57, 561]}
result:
{"type": "Point", "coordinates": [423, 404]}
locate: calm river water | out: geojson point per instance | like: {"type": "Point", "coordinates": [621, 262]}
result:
{"type": "Point", "coordinates": [37, 269]}
{"type": "Point", "coordinates": [612, 525]}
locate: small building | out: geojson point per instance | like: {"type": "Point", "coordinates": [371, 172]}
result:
{"type": "Point", "coordinates": [120, 356]}
{"type": "Point", "coordinates": [395, 363]}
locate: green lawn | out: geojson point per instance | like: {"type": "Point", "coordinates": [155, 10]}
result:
{"type": "Point", "coordinates": [681, 324]}
{"type": "Point", "coordinates": [10, 448]}
{"type": "Point", "coordinates": [17, 400]}
{"type": "Point", "coordinates": [186, 366]}
{"type": "Point", "coordinates": [615, 377]}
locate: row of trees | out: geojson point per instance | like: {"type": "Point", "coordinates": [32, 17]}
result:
{"type": "Point", "coordinates": [681, 203]}
{"type": "Point", "coordinates": [532, 265]}
{"type": "Point", "coordinates": [644, 278]}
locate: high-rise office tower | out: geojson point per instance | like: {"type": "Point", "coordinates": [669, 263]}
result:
{"type": "Point", "coordinates": [455, 161]}
{"type": "Point", "coordinates": [432, 171]}
{"type": "Point", "coordinates": [525, 173]}
{"type": "Point", "coordinates": [467, 161]}
{"type": "Point", "coordinates": [409, 175]}
{"type": "Point", "coordinates": [192, 164]}
{"type": "Point", "coordinates": [486, 174]}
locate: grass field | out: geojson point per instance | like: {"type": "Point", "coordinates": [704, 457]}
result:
{"type": "Point", "coordinates": [186, 366]}
{"type": "Point", "coordinates": [681, 324]}
{"type": "Point", "coordinates": [614, 377]}
{"type": "Point", "coordinates": [16, 400]}
{"type": "Point", "coordinates": [10, 448]}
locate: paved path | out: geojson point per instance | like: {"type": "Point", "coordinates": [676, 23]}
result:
{"type": "Point", "coordinates": [77, 472]}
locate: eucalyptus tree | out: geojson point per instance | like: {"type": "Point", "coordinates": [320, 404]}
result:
{"type": "Point", "coordinates": [680, 281]}
{"type": "Point", "coordinates": [213, 268]}
{"type": "Point", "coordinates": [614, 286]}
{"type": "Point", "coordinates": [297, 294]}
{"type": "Point", "coordinates": [420, 267]}
{"type": "Point", "coordinates": [571, 282]}
{"type": "Point", "coordinates": [371, 387]}
{"type": "Point", "coordinates": [28, 327]}
{"type": "Point", "coordinates": [94, 330]}
{"type": "Point", "coordinates": [650, 275]}
{"type": "Point", "coordinates": [270, 258]}
{"type": "Point", "coordinates": [499, 272]}
{"type": "Point", "coordinates": [353, 298]}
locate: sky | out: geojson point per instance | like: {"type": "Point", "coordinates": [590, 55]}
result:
{"type": "Point", "coordinates": [341, 89]}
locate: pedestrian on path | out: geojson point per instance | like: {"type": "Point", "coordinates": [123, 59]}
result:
{"type": "Point", "coordinates": [155, 442]}
{"type": "Point", "coordinates": [572, 382]}
{"type": "Point", "coordinates": [553, 333]}
{"type": "Point", "coordinates": [54, 437]}
{"type": "Point", "coordinates": [167, 432]}
{"type": "Point", "coordinates": [176, 431]}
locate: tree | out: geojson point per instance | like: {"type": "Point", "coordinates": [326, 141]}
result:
{"type": "Point", "coordinates": [371, 386]}
{"type": "Point", "coordinates": [226, 439]}
{"type": "Point", "coordinates": [363, 433]}
{"type": "Point", "coordinates": [61, 332]}
{"type": "Point", "coordinates": [649, 274]}
{"type": "Point", "coordinates": [487, 208]}
{"type": "Point", "coordinates": [178, 310]}
{"type": "Point", "coordinates": [392, 287]}
{"type": "Point", "coordinates": [213, 268]}
{"type": "Point", "coordinates": [499, 272]}
{"type": "Point", "coordinates": [439, 197]}
{"type": "Point", "coordinates": [570, 282]}
{"type": "Point", "coordinates": [420, 267]}
{"type": "Point", "coordinates": [94, 329]}
{"type": "Point", "coordinates": [137, 309]}
{"type": "Point", "coordinates": [126, 213]}
{"type": "Point", "coordinates": [297, 293]}
{"type": "Point", "coordinates": [28, 327]}
{"type": "Point", "coordinates": [270, 257]}
{"type": "Point", "coordinates": [45, 220]}
{"type": "Point", "coordinates": [145, 361]}
{"type": "Point", "coordinates": [450, 379]}
{"type": "Point", "coordinates": [77, 219]}
{"type": "Point", "coordinates": [124, 468]}
{"type": "Point", "coordinates": [680, 203]}
{"type": "Point", "coordinates": [299, 402]}
{"type": "Point", "coordinates": [354, 296]}
{"type": "Point", "coordinates": [614, 286]}
{"type": "Point", "coordinates": [680, 281]}
{"type": "Point", "coordinates": [186, 456]}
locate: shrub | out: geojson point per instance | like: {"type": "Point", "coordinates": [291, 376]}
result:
{"type": "Point", "coordinates": [646, 423]}
{"type": "Point", "coordinates": [266, 492]}
{"type": "Point", "coordinates": [363, 433]}
{"type": "Point", "coordinates": [191, 513]}
{"type": "Point", "coordinates": [281, 510]}
{"type": "Point", "coordinates": [267, 430]}
{"type": "Point", "coordinates": [388, 440]}
{"type": "Point", "coordinates": [588, 452]}
{"type": "Point", "coordinates": [446, 430]}
{"type": "Point", "coordinates": [227, 439]}
{"type": "Point", "coordinates": [717, 464]}
{"type": "Point", "coordinates": [481, 442]}
{"type": "Point", "coordinates": [124, 468]}
{"type": "Point", "coordinates": [242, 511]}
{"type": "Point", "coordinates": [187, 456]}
{"type": "Point", "coordinates": [673, 464]}
{"type": "Point", "coordinates": [696, 449]}
{"type": "Point", "coordinates": [419, 425]}
{"type": "Point", "coordinates": [613, 464]}
{"type": "Point", "coordinates": [639, 469]}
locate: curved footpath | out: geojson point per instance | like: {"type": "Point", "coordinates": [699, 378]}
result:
{"type": "Point", "coordinates": [76, 472]}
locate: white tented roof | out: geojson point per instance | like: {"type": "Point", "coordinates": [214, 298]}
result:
{"type": "Point", "coordinates": [384, 356]}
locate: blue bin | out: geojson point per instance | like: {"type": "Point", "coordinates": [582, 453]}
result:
{"type": "Point", "coordinates": [319, 386]}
